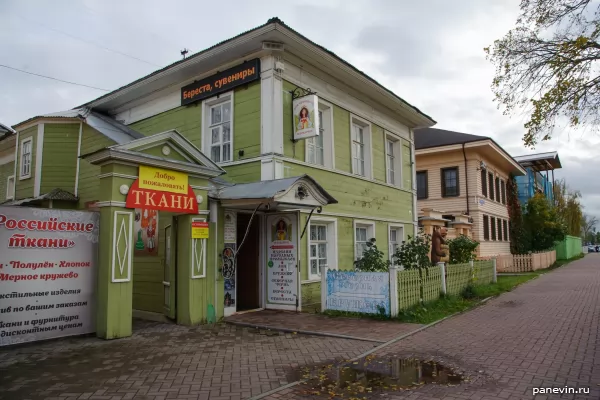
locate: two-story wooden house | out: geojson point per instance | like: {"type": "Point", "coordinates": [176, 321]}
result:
{"type": "Point", "coordinates": [460, 175]}
{"type": "Point", "coordinates": [229, 119]}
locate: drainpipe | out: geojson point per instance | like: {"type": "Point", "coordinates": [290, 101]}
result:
{"type": "Point", "coordinates": [466, 179]}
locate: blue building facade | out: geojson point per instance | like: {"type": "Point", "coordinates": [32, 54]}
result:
{"type": "Point", "coordinates": [540, 176]}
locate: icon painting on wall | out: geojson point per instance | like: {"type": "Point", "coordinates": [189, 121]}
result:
{"type": "Point", "coordinates": [146, 231]}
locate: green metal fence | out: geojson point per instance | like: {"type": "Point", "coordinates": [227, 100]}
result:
{"type": "Point", "coordinates": [409, 288]}
{"type": "Point", "coordinates": [570, 247]}
{"type": "Point", "coordinates": [483, 272]}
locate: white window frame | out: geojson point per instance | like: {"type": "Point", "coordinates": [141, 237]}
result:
{"type": "Point", "coordinates": [332, 245]}
{"type": "Point", "coordinates": [370, 225]}
{"type": "Point", "coordinates": [10, 193]}
{"type": "Point", "coordinates": [327, 133]}
{"type": "Point", "coordinates": [206, 130]}
{"type": "Point", "coordinates": [395, 227]}
{"type": "Point", "coordinates": [368, 145]}
{"type": "Point", "coordinates": [28, 175]}
{"type": "Point", "coordinates": [397, 163]}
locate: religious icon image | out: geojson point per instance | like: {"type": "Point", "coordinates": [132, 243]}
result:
{"type": "Point", "coordinates": [281, 230]}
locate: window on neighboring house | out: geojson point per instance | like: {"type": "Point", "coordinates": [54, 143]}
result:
{"type": "Point", "coordinates": [494, 232]}
{"type": "Point", "coordinates": [450, 182]}
{"type": "Point", "coordinates": [491, 185]}
{"type": "Point", "coordinates": [507, 232]}
{"type": "Point", "coordinates": [219, 129]}
{"type": "Point", "coordinates": [10, 187]}
{"type": "Point", "coordinates": [503, 189]}
{"type": "Point", "coordinates": [363, 233]}
{"type": "Point", "coordinates": [361, 148]}
{"type": "Point", "coordinates": [486, 227]}
{"type": "Point", "coordinates": [498, 198]}
{"type": "Point", "coordinates": [422, 185]}
{"type": "Point", "coordinates": [26, 158]}
{"type": "Point", "coordinates": [396, 237]}
{"type": "Point", "coordinates": [392, 161]}
{"type": "Point", "coordinates": [484, 190]}
{"type": "Point", "coordinates": [505, 229]}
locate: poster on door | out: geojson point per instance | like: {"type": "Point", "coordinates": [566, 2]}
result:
{"type": "Point", "coordinates": [48, 269]}
{"type": "Point", "coordinates": [146, 233]}
{"type": "Point", "coordinates": [282, 284]}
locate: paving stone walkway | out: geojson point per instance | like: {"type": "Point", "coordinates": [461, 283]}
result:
{"type": "Point", "coordinates": [162, 361]}
{"type": "Point", "coordinates": [373, 330]}
{"type": "Point", "coordinates": [545, 333]}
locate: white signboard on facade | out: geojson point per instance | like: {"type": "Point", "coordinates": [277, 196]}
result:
{"type": "Point", "coordinates": [282, 264]}
{"type": "Point", "coordinates": [363, 292]}
{"type": "Point", "coordinates": [47, 273]}
{"type": "Point", "coordinates": [306, 117]}
{"type": "Point", "coordinates": [230, 230]}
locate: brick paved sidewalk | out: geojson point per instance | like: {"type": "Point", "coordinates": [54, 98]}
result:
{"type": "Point", "coordinates": [544, 333]}
{"type": "Point", "coordinates": [164, 361]}
{"type": "Point", "coordinates": [374, 330]}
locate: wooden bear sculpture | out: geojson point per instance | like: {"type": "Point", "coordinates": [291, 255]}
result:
{"type": "Point", "coordinates": [444, 246]}
{"type": "Point", "coordinates": [436, 246]}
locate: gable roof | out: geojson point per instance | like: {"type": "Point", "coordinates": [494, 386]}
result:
{"type": "Point", "coordinates": [274, 28]}
{"type": "Point", "coordinates": [107, 126]}
{"type": "Point", "coordinates": [431, 137]}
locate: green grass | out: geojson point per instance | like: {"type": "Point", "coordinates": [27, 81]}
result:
{"type": "Point", "coordinates": [448, 305]}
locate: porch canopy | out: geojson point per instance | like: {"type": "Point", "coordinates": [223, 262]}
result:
{"type": "Point", "coordinates": [299, 192]}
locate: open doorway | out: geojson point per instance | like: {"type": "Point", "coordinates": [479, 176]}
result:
{"type": "Point", "coordinates": [248, 263]}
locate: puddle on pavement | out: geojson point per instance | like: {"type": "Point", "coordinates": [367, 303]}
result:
{"type": "Point", "coordinates": [357, 380]}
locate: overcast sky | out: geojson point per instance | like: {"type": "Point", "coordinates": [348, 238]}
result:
{"type": "Point", "coordinates": [429, 52]}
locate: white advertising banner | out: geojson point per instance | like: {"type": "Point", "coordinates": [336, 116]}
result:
{"type": "Point", "coordinates": [306, 118]}
{"type": "Point", "coordinates": [47, 273]}
{"type": "Point", "coordinates": [282, 264]}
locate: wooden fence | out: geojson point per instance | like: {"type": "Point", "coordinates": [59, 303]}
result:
{"type": "Point", "coordinates": [525, 262]}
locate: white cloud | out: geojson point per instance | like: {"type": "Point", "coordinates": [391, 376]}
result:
{"type": "Point", "coordinates": [429, 52]}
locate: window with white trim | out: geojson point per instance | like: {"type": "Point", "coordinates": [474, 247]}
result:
{"type": "Point", "coordinates": [315, 152]}
{"type": "Point", "coordinates": [363, 233]}
{"type": "Point", "coordinates": [395, 239]}
{"type": "Point", "coordinates": [322, 246]}
{"type": "Point", "coordinates": [393, 161]}
{"type": "Point", "coordinates": [10, 187]}
{"type": "Point", "coordinates": [319, 149]}
{"type": "Point", "coordinates": [219, 128]}
{"type": "Point", "coordinates": [25, 161]}
{"type": "Point", "coordinates": [361, 147]}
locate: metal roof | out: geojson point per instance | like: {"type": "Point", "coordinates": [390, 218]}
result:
{"type": "Point", "coordinates": [55, 194]}
{"type": "Point", "coordinates": [104, 124]}
{"type": "Point", "coordinates": [541, 161]}
{"type": "Point", "coordinates": [431, 137]}
{"type": "Point", "coordinates": [264, 189]}
{"type": "Point", "coordinates": [272, 25]}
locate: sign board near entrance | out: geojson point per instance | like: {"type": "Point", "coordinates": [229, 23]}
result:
{"type": "Point", "coordinates": [221, 82]}
{"type": "Point", "coordinates": [163, 180]}
{"type": "Point", "coordinates": [47, 273]}
{"type": "Point", "coordinates": [306, 120]}
{"type": "Point", "coordinates": [150, 199]}
{"type": "Point", "coordinates": [282, 265]}
{"type": "Point", "coordinates": [199, 230]}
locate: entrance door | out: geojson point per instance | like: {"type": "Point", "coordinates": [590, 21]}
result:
{"type": "Point", "coordinates": [248, 264]}
{"type": "Point", "coordinates": [169, 262]}
{"type": "Point", "coordinates": [282, 262]}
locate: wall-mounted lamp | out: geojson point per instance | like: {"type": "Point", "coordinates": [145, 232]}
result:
{"type": "Point", "coordinates": [482, 165]}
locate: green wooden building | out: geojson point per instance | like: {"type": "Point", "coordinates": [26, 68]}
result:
{"type": "Point", "coordinates": [220, 127]}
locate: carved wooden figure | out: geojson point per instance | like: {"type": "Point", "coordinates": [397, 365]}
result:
{"type": "Point", "coordinates": [436, 246]}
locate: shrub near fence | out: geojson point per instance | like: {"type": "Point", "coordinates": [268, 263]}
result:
{"type": "Point", "coordinates": [368, 291]}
